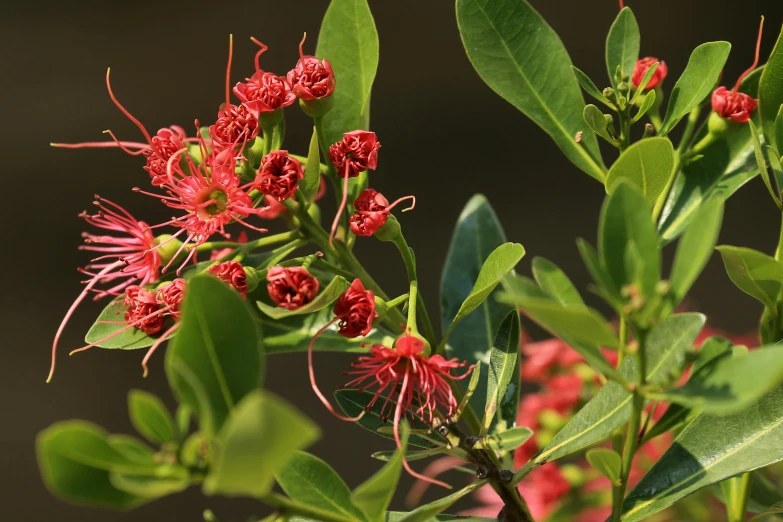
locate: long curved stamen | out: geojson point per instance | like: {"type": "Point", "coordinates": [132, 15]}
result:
{"type": "Point", "coordinates": [397, 415]}
{"type": "Point", "coordinates": [102, 144]}
{"type": "Point", "coordinates": [155, 347]}
{"type": "Point", "coordinates": [123, 148]}
{"type": "Point", "coordinates": [228, 71]}
{"type": "Point", "coordinates": [413, 203]}
{"type": "Point", "coordinates": [170, 164]}
{"type": "Point", "coordinates": [72, 309]}
{"type": "Point", "coordinates": [340, 210]}
{"type": "Point", "coordinates": [311, 370]}
{"type": "Point", "coordinates": [622, 5]}
{"type": "Point", "coordinates": [301, 47]}
{"type": "Point", "coordinates": [134, 324]}
{"type": "Point", "coordinates": [261, 51]}
{"type": "Point", "coordinates": [755, 61]}
{"type": "Point", "coordinates": [434, 469]}
{"type": "Point", "coordinates": [124, 110]}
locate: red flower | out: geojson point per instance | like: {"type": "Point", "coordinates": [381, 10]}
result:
{"type": "Point", "coordinates": [235, 126]}
{"type": "Point", "coordinates": [141, 307]}
{"type": "Point", "coordinates": [355, 153]}
{"type": "Point", "coordinates": [642, 66]}
{"type": "Point", "coordinates": [372, 211]}
{"type": "Point", "coordinates": [170, 296]}
{"type": "Point", "coordinates": [264, 91]}
{"type": "Point", "coordinates": [355, 309]}
{"type": "Point", "coordinates": [292, 287]}
{"type": "Point", "coordinates": [733, 104]}
{"type": "Point", "coordinates": [233, 274]}
{"type": "Point", "coordinates": [279, 175]}
{"type": "Point", "coordinates": [162, 146]}
{"type": "Point", "coordinates": [311, 78]}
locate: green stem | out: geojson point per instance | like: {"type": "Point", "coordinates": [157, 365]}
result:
{"type": "Point", "coordinates": [737, 508]}
{"type": "Point", "coordinates": [655, 119]}
{"type": "Point", "coordinates": [412, 299]}
{"type": "Point", "coordinates": [658, 208]}
{"type": "Point", "coordinates": [779, 248]}
{"type": "Point", "coordinates": [397, 301]}
{"type": "Point", "coordinates": [333, 269]}
{"type": "Point", "coordinates": [690, 126]}
{"type": "Point", "coordinates": [410, 267]}
{"type": "Point", "coordinates": [623, 340]}
{"type": "Point", "coordinates": [287, 506]}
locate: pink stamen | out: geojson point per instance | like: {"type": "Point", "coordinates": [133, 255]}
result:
{"type": "Point", "coordinates": [124, 110]}
{"type": "Point", "coordinates": [301, 47]}
{"type": "Point", "coordinates": [155, 347]}
{"type": "Point", "coordinates": [622, 5]}
{"type": "Point", "coordinates": [101, 144]}
{"type": "Point", "coordinates": [123, 148]}
{"type": "Point", "coordinates": [755, 61]}
{"type": "Point", "coordinates": [340, 211]}
{"type": "Point", "coordinates": [114, 334]}
{"type": "Point", "coordinates": [228, 69]}
{"type": "Point", "coordinates": [261, 51]}
{"type": "Point", "coordinates": [413, 203]}
{"type": "Point", "coordinates": [436, 468]}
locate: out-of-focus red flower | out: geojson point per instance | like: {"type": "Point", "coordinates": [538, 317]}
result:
{"type": "Point", "coordinates": [141, 307]}
{"type": "Point", "coordinates": [643, 65]}
{"type": "Point", "coordinates": [233, 274]}
{"type": "Point", "coordinates": [734, 105]}
{"type": "Point", "coordinates": [291, 287]}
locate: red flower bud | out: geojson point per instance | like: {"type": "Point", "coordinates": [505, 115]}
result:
{"type": "Point", "coordinates": [233, 274]}
{"type": "Point", "coordinates": [355, 153]}
{"type": "Point", "coordinates": [234, 127]}
{"type": "Point", "coordinates": [141, 306]}
{"type": "Point", "coordinates": [356, 310]}
{"type": "Point", "coordinates": [311, 78]}
{"type": "Point", "coordinates": [642, 66]}
{"type": "Point", "coordinates": [372, 211]}
{"type": "Point", "coordinates": [162, 146]}
{"type": "Point", "coordinates": [171, 296]}
{"type": "Point", "coordinates": [291, 288]}
{"type": "Point", "coordinates": [264, 91]}
{"type": "Point", "coordinates": [279, 175]}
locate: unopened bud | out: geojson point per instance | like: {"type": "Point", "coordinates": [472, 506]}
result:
{"type": "Point", "coordinates": [318, 107]}
{"type": "Point", "coordinates": [624, 88]}
{"type": "Point", "coordinates": [390, 230]}
{"type": "Point", "coordinates": [649, 130]}
{"type": "Point", "coordinates": [252, 278]}
{"type": "Point", "coordinates": [609, 94]}
{"type": "Point", "coordinates": [167, 247]}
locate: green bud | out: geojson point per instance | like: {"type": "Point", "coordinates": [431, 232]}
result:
{"type": "Point", "coordinates": [390, 230]}
{"type": "Point", "coordinates": [252, 278]}
{"type": "Point", "coordinates": [609, 94]}
{"type": "Point", "coordinates": [624, 88]}
{"type": "Point", "coordinates": [318, 107]}
{"type": "Point", "coordinates": [649, 130]}
{"type": "Point", "coordinates": [717, 125]}
{"type": "Point", "coordinates": [270, 120]}
{"type": "Point", "coordinates": [169, 250]}
{"type": "Point", "coordinates": [196, 451]}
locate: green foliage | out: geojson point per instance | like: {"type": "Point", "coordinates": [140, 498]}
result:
{"type": "Point", "coordinates": [502, 397]}
{"type": "Point", "coordinates": [325, 297]}
{"type": "Point", "coordinates": [554, 282]}
{"type": "Point", "coordinates": [309, 184]}
{"type": "Point", "coordinates": [755, 273]}
{"type": "Point", "coordinates": [607, 462]}
{"type": "Point", "coordinates": [428, 511]}
{"type": "Point", "coordinates": [771, 94]}
{"type": "Point", "coordinates": [259, 437]}
{"type": "Point", "coordinates": [505, 441]}
{"type": "Point", "coordinates": [511, 62]}
{"type": "Point", "coordinates": [150, 417]}
{"type": "Point", "coordinates": [648, 165]}
{"type": "Point", "coordinates": [111, 323]}
{"type": "Point", "coordinates": [622, 45]}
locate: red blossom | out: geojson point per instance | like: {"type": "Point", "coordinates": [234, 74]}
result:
{"type": "Point", "coordinates": [141, 307]}
{"type": "Point", "coordinates": [264, 91]}
{"type": "Point", "coordinates": [233, 274]}
{"type": "Point", "coordinates": [355, 309]}
{"type": "Point", "coordinates": [163, 145]}
{"type": "Point", "coordinates": [643, 65]}
{"type": "Point", "coordinates": [355, 153]}
{"type": "Point", "coordinates": [734, 105]}
{"type": "Point", "coordinates": [311, 78]}
{"type": "Point", "coordinates": [235, 126]}
{"type": "Point", "coordinates": [170, 296]}
{"type": "Point", "coordinates": [279, 175]}
{"type": "Point", "coordinates": [291, 287]}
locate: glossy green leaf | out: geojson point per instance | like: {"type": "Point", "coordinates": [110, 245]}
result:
{"type": "Point", "coordinates": [709, 450]}
{"type": "Point", "coordinates": [522, 59]}
{"type": "Point", "coordinates": [778, 145]}
{"type": "Point", "coordinates": [643, 83]}
{"type": "Point", "coordinates": [626, 225]}
{"type": "Point", "coordinates": [505, 441]}
{"type": "Point", "coordinates": [588, 86]}
{"type": "Point", "coordinates": [396, 516]}
{"type": "Point", "coordinates": [695, 248]}
{"type": "Point", "coordinates": [607, 462]}
{"type": "Point", "coordinates": [728, 385]}
{"type": "Point", "coordinates": [410, 456]}
{"type": "Point", "coordinates": [775, 164]}
{"type": "Point", "coordinates": [308, 479]}
{"type": "Point", "coordinates": [647, 104]}
{"type": "Point", "coordinates": [755, 273]}
{"type": "Point", "coordinates": [722, 168]}
{"type": "Point", "coordinates": [696, 83]}
{"type": "Point", "coordinates": [502, 397]}
{"type": "Point", "coordinates": [622, 45]}
{"type": "Point", "coordinates": [126, 339]}
{"type": "Point", "coordinates": [353, 403]}
{"type": "Point", "coordinates": [294, 333]}
{"type": "Point", "coordinates": [150, 417]}
{"type": "Point", "coordinates": [76, 459]}
{"type": "Point", "coordinates": [349, 40]}
{"type": "Point", "coordinates": [776, 509]}
{"type": "Point", "coordinates": [647, 164]}
{"type": "Point", "coordinates": [771, 93]}
{"type": "Point", "coordinates": [374, 495]}
{"type": "Point", "coordinates": [132, 449]}
{"type": "Point", "coordinates": [309, 184]}
{"type": "Point", "coordinates": [761, 161]}
{"type": "Point", "coordinates": [219, 346]}
{"type": "Point", "coordinates": [476, 235]}
{"type": "Point", "coordinates": [428, 511]}
{"type": "Point", "coordinates": [325, 297]}
{"type": "Point", "coordinates": [763, 494]}
{"type": "Point", "coordinates": [554, 282]}
{"type": "Point", "coordinates": [164, 480]}
{"type": "Point", "coordinates": [667, 344]}
{"type": "Point", "coordinates": [598, 272]}
{"type": "Point", "coordinates": [596, 120]}
{"type": "Point", "coordinates": [259, 437]}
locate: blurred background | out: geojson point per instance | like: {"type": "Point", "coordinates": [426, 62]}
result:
{"type": "Point", "coordinates": [445, 136]}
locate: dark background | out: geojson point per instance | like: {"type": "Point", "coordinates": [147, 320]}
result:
{"type": "Point", "coordinates": [445, 136]}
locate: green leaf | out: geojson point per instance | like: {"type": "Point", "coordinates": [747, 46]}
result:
{"type": "Point", "coordinates": [771, 93]}
{"type": "Point", "coordinates": [75, 460]}
{"type": "Point", "coordinates": [476, 235]}
{"type": "Point", "coordinates": [778, 145]}
{"type": "Point", "coordinates": [310, 480]}
{"type": "Point", "coordinates": [777, 168]}
{"type": "Point", "coordinates": [349, 41]}
{"type": "Point", "coordinates": [626, 225]}
{"type": "Point", "coordinates": [776, 509]}
{"type": "Point", "coordinates": [150, 417]}
{"type": "Point", "coordinates": [410, 456]}
{"type": "Point", "coordinates": [598, 272]}
{"type": "Point", "coordinates": [353, 403]}
{"type": "Point", "coordinates": [755, 273]}
{"type": "Point", "coordinates": [649, 101]}
{"type": "Point", "coordinates": [219, 346]}
{"type": "Point", "coordinates": [647, 164]}
{"type": "Point", "coordinates": [762, 164]}
{"type": "Point", "coordinates": [667, 344]}
{"type": "Point", "coordinates": [522, 59]}
{"type": "Point", "coordinates": [309, 184]}
{"type": "Point", "coordinates": [327, 296]}
{"type": "Point", "coordinates": [588, 86]}
{"type": "Point", "coordinates": [132, 449]}
{"type": "Point", "coordinates": [502, 398]}
{"type": "Point", "coordinates": [428, 511]}
{"type": "Point", "coordinates": [642, 84]}
{"type": "Point", "coordinates": [724, 166]}
{"type": "Point", "coordinates": [505, 441]}
{"type": "Point", "coordinates": [293, 334]}
{"type": "Point", "coordinates": [258, 439]}
{"type": "Point", "coordinates": [374, 495]}
{"type": "Point", "coordinates": [748, 440]}
{"type": "Point", "coordinates": [696, 83]}
{"type": "Point", "coordinates": [127, 339]}
{"type": "Point", "coordinates": [622, 45]}
{"type": "Point", "coordinates": [695, 248]}
{"type": "Point", "coordinates": [554, 282]}
{"type": "Point", "coordinates": [731, 384]}
{"type": "Point", "coordinates": [396, 516]}
{"type": "Point", "coordinates": [164, 480]}
{"type": "Point", "coordinates": [607, 462]}
{"type": "Point", "coordinates": [596, 120]}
